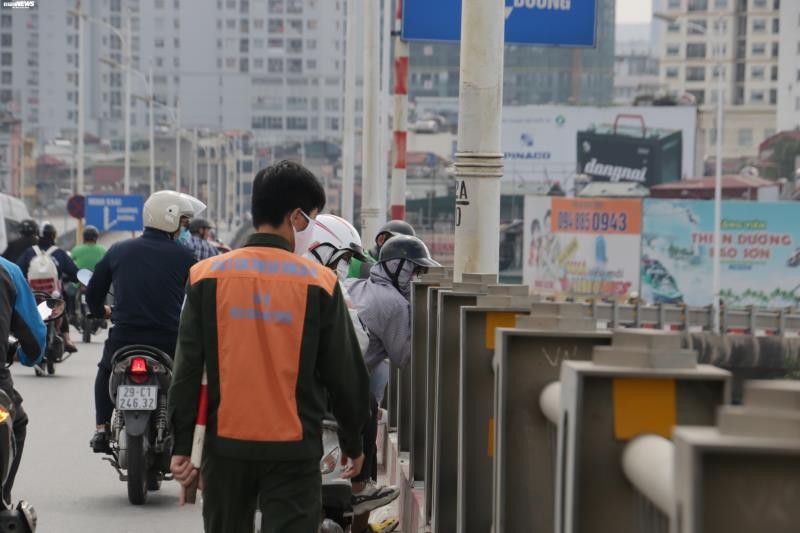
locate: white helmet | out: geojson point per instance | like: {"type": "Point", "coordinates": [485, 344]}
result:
{"type": "Point", "coordinates": [334, 237]}
{"type": "Point", "coordinates": [164, 210]}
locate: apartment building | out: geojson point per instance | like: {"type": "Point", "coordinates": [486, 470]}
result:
{"type": "Point", "coordinates": [741, 35]}
{"type": "Point", "coordinates": [788, 115]}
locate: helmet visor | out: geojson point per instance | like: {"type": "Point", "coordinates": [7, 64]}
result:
{"type": "Point", "coordinates": [198, 207]}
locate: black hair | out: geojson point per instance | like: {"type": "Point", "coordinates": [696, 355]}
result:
{"type": "Point", "coordinates": [535, 226]}
{"type": "Point", "coordinates": [280, 189]}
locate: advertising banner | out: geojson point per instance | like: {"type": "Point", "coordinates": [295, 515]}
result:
{"type": "Point", "coordinates": [760, 253]}
{"type": "Point", "coordinates": [554, 143]}
{"type": "Point", "coordinates": [582, 247]}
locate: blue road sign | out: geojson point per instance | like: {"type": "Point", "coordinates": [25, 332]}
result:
{"type": "Point", "coordinates": [542, 22]}
{"type": "Point", "coordinates": [115, 213]}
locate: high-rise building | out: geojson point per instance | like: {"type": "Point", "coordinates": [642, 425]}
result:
{"type": "Point", "coordinates": [533, 74]}
{"type": "Point", "coordinates": [789, 67]}
{"type": "Point", "coordinates": [273, 66]}
{"type": "Point", "coordinates": [747, 32]}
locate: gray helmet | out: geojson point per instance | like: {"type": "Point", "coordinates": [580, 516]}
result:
{"type": "Point", "coordinates": [90, 233]}
{"type": "Point", "coordinates": [396, 227]}
{"type": "Point", "coordinates": [199, 223]}
{"type": "Point", "coordinates": [164, 209]}
{"type": "Point", "coordinates": [29, 228]}
{"type": "Point", "coordinates": [410, 249]}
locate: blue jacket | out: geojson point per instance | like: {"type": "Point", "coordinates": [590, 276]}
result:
{"type": "Point", "coordinates": [149, 276]}
{"type": "Point", "coordinates": [19, 316]}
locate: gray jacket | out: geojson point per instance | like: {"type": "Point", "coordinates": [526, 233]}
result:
{"type": "Point", "coordinates": [386, 314]}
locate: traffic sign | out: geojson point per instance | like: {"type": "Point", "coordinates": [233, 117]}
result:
{"type": "Point", "coordinates": [115, 213]}
{"type": "Point", "coordinates": [542, 22]}
{"type": "Point", "coordinates": [76, 206]}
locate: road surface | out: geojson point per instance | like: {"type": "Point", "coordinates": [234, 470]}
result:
{"type": "Point", "coordinates": [72, 489]}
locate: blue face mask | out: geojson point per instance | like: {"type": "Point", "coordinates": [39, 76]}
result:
{"type": "Point", "coordinates": [184, 235]}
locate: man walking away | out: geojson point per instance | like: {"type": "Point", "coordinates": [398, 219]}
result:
{"type": "Point", "coordinates": [272, 331]}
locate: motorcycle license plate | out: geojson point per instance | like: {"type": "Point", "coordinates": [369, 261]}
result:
{"type": "Point", "coordinates": [136, 398]}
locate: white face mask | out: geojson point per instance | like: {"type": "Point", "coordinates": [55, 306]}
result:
{"type": "Point", "coordinates": [342, 269]}
{"type": "Point", "coordinates": [302, 239]}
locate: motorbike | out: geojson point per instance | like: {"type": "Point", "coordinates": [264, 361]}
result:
{"type": "Point", "coordinates": [337, 492]}
{"type": "Point", "coordinates": [140, 439]}
{"type": "Point", "coordinates": [81, 317]}
{"type": "Point", "coordinates": [54, 351]}
{"type": "Point", "coordinates": [22, 517]}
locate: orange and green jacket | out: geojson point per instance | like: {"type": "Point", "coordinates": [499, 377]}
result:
{"type": "Point", "coordinates": [274, 332]}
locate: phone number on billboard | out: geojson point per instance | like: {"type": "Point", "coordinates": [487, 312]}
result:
{"type": "Point", "coordinates": [595, 222]}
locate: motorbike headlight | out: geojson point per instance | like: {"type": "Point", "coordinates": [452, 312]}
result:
{"type": "Point", "coordinates": [29, 513]}
{"type": "Point", "coordinates": [329, 462]}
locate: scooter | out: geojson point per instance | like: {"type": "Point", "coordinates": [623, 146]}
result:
{"type": "Point", "coordinates": [337, 492]}
{"type": "Point", "coordinates": [54, 351]}
{"type": "Point", "coordinates": [22, 517]}
{"type": "Point", "coordinates": [140, 438]}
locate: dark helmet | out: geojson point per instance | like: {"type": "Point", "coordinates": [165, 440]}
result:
{"type": "Point", "coordinates": [91, 234]}
{"type": "Point", "coordinates": [199, 223]}
{"type": "Point", "coordinates": [49, 230]}
{"type": "Point", "coordinates": [408, 248]}
{"type": "Point", "coordinates": [396, 227]}
{"type": "Point", "coordinates": [29, 228]}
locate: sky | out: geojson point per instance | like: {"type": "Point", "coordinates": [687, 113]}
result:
{"type": "Point", "coordinates": [632, 11]}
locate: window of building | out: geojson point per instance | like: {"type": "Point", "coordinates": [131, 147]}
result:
{"type": "Point", "coordinates": [244, 46]}
{"type": "Point", "coordinates": [258, 63]}
{"type": "Point", "coordinates": [331, 104]}
{"type": "Point", "coordinates": [699, 96]}
{"type": "Point", "coordinates": [721, 4]}
{"type": "Point", "coordinates": [294, 7]}
{"type": "Point", "coordinates": [698, 5]}
{"type": "Point", "coordinates": [258, 24]}
{"type": "Point", "coordinates": [759, 49]}
{"type": "Point", "coordinates": [275, 26]}
{"type": "Point", "coordinates": [695, 73]}
{"type": "Point", "coordinates": [332, 123]}
{"type": "Point", "coordinates": [159, 4]}
{"type": "Point", "coordinates": [773, 96]}
{"type": "Point", "coordinates": [774, 74]}
{"type": "Point", "coordinates": [276, 6]}
{"type": "Point", "coordinates": [5, 40]}
{"type": "Point", "coordinates": [159, 43]}
{"type": "Point", "coordinates": [312, 24]}
{"type": "Point", "coordinates": [230, 62]}
{"type": "Point", "coordinates": [244, 6]}
{"type": "Point", "coordinates": [258, 43]}
{"type": "Point", "coordinates": [311, 44]}
{"type": "Point", "coordinates": [674, 27]}
{"type": "Point", "coordinates": [5, 78]}
{"type": "Point", "coordinates": [759, 4]}
{"type": "Point", "coordinates": [672, 72]}
{"type": "Point", "coordinates": [294, 46]}
{"type": "Point", "coordinates": [674, 4]}
{"type": "Point", "coordinates": [244, 65]}
{"type": "Point", "coordinates": [311, 64]}
{"type": "Point", "coordinates": [759, 25]}
{"type": "Point", "coordinates": [275, 44]}
{"type": "Point", "coordinates": [296, 26]}
{"type": "Point", "coordinates": [159, 62]}
{"type": "Point", "coordinates": [230, 4]}
{"type": "Point", "coordinates": [296, 123]}
{"type": "Point", "coordinates": [776, 26]}
{"type": "Point", "coordinates": [745, 137]}
{"type": "Point", "coordinates": [775, 49]}
{"type": "Point", "coordinates": [297, 103]}
{"type": "Point", "coordinates": [673, 50]}
{"type": "Point", "coordinates": [176, 62]}
{"type": "Point", "coordinates": [230, 24]}
{"type": "Point", "coordinates": [697, 27]}
{"type": "Point", "coordinates": [757, 97]}
{"type": "Point", "coordinates": [696, 50]}
{"type": "Point", "coordinates": [294, 66]}
{"type": "Point", "coordinates": [6, 21]}
{"type": "Point", "coordinates": [275, 65]}
{"type": "Point", "coordinates": [244, 26]}
{"type": "Point", "coordinates": [757, 73]}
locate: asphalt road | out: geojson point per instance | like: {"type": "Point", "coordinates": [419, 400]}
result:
{"type": "Point", "coordinates": [72, 489]}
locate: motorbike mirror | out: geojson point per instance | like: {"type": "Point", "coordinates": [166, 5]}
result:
{"type": "Point", "coordinates": [52, 309]}
{"type": "Point", "coordinates": [85, 276]}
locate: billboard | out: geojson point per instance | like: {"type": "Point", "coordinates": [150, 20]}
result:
{"type": "Point", "coordinates": [541, 143]}
{"type": "Point", "coordinates": [581, 247]}
{"type": "Point", "coordinates": [760, 253]}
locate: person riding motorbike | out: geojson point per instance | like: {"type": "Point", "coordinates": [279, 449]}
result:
{"type": "Point", "coordinates": [199, 243]}
{"type": "Point", "coordinates": [29, 236]}
{"type": "Point", "coordinates": [384, 308]}
{"type": "Point", "coordinates": [66, 270]}
{"type": "Point", "coordinates": [18, 316]}
{"type": "Point", "coordinates": [361, 269]}
{"type": "Point", "coordinates": [88, 254]}
{"type": "Point", "coordinates": [149, 275]}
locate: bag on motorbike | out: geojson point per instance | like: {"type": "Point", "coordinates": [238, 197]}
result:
{"type": "Point", "coordinates": [43, 272]}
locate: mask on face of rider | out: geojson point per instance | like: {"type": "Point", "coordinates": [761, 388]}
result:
{"type": "Point", "coordinates": [184, 235]}
{"type": "Point", "coordinates": [342, 269]}
{"type": "Point", "coordinates": [303, 238]}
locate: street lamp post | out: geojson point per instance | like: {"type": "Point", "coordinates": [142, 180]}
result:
{"type": "Point", "coordinates": [720, 112]}
{"type": "Point", "coordinates": [125, 39]}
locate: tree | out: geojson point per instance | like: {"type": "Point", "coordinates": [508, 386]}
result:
{"type": "Point", "coordinates": [782, 162]}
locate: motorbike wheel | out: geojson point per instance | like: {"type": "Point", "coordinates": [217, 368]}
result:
{"type": "Point", "coordinates": [51, 367]}
{"type": "Point", "coordinates": [137, 470]}
{"type": "Point", "coordinates": [86, 330]}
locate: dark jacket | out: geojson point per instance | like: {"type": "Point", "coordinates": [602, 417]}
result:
{"type": "Point", "coordinates": [67, 269]}
{"type": "Point", "coordinates": [273, 331]}
{"type": "Point", "coordinates": [149, 277]}
{"type": "Point", "coordinates": [19, 316]}
{"type": "Point", "coordinates": [19, 246]}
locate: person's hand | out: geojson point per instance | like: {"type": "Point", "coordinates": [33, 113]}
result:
{"type": "Point", "coordinates": [108, 311]}
{"type": "Point", "coordinates": [352, 466]}
{"type": "Point", "coordinates": [184, 472]}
